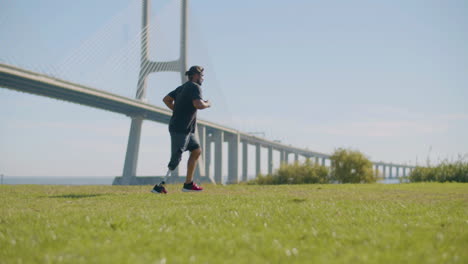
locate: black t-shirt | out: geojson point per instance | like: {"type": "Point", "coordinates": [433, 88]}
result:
{"type": "Point", "coordinates": [184, 116]}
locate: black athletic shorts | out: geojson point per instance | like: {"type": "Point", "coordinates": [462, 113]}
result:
{"type": "Point", "coordinates": [182, 142]}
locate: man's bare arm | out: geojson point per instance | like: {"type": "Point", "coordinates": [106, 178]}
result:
{"type": "Point", "coordinates": [169, 101]}
{"type": "Point", "coordinates": [200, 104]}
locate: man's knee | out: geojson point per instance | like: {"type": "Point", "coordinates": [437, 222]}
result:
{"type": "Point", "coordinates": [196, 152]}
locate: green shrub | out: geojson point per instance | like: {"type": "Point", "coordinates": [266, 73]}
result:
{"type": "Point", "coordinates": [351, 166]}
{"type": "Point", "coordinates": [444, 172]}
{"type": "Point", "coordinates": [297, 173]}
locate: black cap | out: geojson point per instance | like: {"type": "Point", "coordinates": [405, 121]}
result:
{"type": "Point", "coordinates": [194, 69]}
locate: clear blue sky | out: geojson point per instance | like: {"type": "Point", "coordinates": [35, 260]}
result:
{"type": "Point", "coordinates": [389, 78]}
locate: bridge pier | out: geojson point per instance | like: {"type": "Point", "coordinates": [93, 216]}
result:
{"type": "Point", "coordinates": [218, 170]}
{"type": "Point", "coordinates": [233, 158]}
{"type": "Point", "coordinates": [270, 160]}
{"type": "Point", "coordinates": [207, 152]}
{"type": "Point", "coordinates": [257, 159]}
{"type": "Point", "coordinates": [296, 157]}
{"type": "Point", "coordinates": [200, 169]}
{"type": "Point", "coordinates": [282, 156]}
{"type": "Point", "coordinates": [245, 160]}
{"type": "Point", "coordinates": [131, 157]}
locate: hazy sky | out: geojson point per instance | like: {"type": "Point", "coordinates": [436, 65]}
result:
{"type": "Point", "coordinates": [389, 78]}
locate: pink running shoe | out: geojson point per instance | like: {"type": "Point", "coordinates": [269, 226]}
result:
{"type": "Point", "coordinates": [191, 187]}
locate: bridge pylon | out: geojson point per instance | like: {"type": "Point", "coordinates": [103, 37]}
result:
{"type": "Point", "coordinates": [146, 67]}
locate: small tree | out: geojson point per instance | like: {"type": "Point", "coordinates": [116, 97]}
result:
{"type": "Point", "coordinates": [351, 166]}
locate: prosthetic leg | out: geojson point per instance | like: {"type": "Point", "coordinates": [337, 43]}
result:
{"type": "Point", "coordinates": [176, 157]}
{"type": "Point", "coordinates": [168, 173]}
{"type": "Point", "coordinates": [160, 188]}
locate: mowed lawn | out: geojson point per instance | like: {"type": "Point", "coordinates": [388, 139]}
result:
{"type": "Point", "coordinates": [367, 223]}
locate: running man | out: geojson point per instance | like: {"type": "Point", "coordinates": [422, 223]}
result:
{"type": "Point", "coordinates": [184, 102]}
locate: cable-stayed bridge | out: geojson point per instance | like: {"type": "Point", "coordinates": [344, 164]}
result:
{"type": "Point", "coordinates": [211, 135]}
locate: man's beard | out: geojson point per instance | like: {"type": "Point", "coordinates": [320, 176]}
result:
{"type": "Point", "coordinates": [199, 82]}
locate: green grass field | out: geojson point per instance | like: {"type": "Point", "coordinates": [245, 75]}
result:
{"type": "Point", "coordinates": [367, 223]}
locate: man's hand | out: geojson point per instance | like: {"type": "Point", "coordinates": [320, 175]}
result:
{"type": "Point", "coordinates": [200, 104]}
{"type": "Point", "coordinates": [169, 101]}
